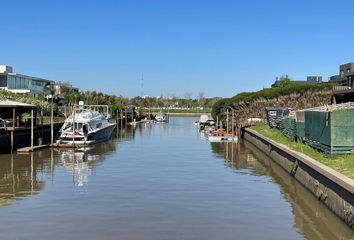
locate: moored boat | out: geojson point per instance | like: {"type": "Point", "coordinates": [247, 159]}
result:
{"type": "Point", "coordinates": [85, 126]}
{"type": "Point", "coordinates": [213, 138]}
{"type": "Point", "coordinates": [162, 117]}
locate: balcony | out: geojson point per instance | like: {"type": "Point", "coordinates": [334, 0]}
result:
{"type": "Point", "coordinates": [341, 89]}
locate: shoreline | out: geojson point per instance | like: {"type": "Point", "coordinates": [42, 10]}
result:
{"type": "Point", "coordinates": [330, 187]}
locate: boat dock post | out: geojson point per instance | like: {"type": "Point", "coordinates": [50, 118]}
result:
{"type": "Point", "coordinates": [51, 124]}
{"type": "Point", "coordinates": [126, 117]}
{"type": "Point", "coordinates": [227, 121]}
{"type": "Point", "coordinates": [117, 120]}
{"type": "Point", "coordinates": [121, 119]}
{"type": "Point", "coordinates": [233, 124]}
{"type": "Point", "coordinates": [32, 130]}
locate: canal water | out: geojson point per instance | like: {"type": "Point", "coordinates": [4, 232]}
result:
{"type": "Point", "coordinates": [158, 181]}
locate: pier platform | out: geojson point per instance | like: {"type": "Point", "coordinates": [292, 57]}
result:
{"type": "Point", "coordinates": [32, 149]}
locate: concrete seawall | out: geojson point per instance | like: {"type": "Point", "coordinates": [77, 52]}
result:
{"type": "Point", "coordinates": [335, 190]}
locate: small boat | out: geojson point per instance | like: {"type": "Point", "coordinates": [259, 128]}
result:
{"type": "Point", "coordinates": [213, 138]}
{"type": "Point", "coordinates": [220, 135]}
{"type": "Point", "coordinates": [162, 117]}
{"type": "Point", "coordinates": [205, 121]}
{"type": "Point", "coordinates": [85, 127]}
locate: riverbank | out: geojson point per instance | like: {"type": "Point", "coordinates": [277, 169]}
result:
{"type": "Point", "coordinates": [343, 163]}
{"type": "Point", "coordinates": [332, 188]}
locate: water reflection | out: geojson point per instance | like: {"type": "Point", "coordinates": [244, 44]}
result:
{"type": "Point", "coordinates": [312, 218]}
{"type": "Point", "coordinates": [19, 178]}
{"type": "Point", "coordinates": [23, 175]}
{"type": "Point", "coordinates": [82, 162]}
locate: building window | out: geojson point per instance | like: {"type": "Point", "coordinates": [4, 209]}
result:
{"type": "Point", "coordinates": [341, 73]}
{"type": "Point", "coordinates": [350, 81]}
{"type": "Point", "coordinates": [348, 70]}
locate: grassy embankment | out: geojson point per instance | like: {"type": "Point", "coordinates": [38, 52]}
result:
{"type": "Point", "coordinates": [343, 163]}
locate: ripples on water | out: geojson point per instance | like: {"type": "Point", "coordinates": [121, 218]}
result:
{"type": "Point", "coordinates": [158, 181]}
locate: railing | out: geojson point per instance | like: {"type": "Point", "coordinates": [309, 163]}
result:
{"type": "Point", "coordinates": [340, 88]}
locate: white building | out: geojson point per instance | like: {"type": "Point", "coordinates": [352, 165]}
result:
{"type": "Point", "coordinates": [18, 83]}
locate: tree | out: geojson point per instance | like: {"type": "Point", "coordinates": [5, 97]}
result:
{"type": "Point", "coordinates": [188, 96]}
{"type": "Point", "coordinates": [201, 99]}
{"type": "Point", "coordinates": [284, 81]}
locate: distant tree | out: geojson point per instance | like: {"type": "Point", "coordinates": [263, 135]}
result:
{"type": "Point", "coordinates": [201, 99]}
{"type": "Point", "coordinates": [188, 96]}
{"type": "Point", "coordinates": [284, 81]}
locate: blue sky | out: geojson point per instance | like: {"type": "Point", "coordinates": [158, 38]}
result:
{"type": "Point", "coordinates": [220, 47]}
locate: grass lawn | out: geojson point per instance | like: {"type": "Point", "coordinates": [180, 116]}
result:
{"type": "Point", "coordinates": [343, 163]}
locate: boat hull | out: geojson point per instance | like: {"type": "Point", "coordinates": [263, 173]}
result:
{"type": "Point", "coordinates": [162, 119]}
{"type": "Point", "coordinates": [222, 139]}
{"type": "Point", "coordinates": [93, 137]}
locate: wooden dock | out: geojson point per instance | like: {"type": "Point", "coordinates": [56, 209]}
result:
{"type": "Point", "coordinates": [32, 149]}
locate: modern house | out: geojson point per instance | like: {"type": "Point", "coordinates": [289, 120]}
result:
{"type": "Point", "coordinates": [345, 76]}
{"type": "Point", "coordinates": [309, 80]}
{"type": "Point", "coordinates": [19, 83]}
{"type": "Point", "coordinates": [344, 93]}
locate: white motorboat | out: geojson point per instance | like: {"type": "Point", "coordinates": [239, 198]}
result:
{"type": "Point", "coordinates": [162, 117]}
{"type": "Point", "coordinates": [205, 121]}
{"type": "Point", "coordinates": [85, 126]}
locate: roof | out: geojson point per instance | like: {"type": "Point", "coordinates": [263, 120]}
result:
{"type": "Point", "coordinates": [10, 103]}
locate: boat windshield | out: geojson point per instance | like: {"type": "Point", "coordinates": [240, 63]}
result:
{"type": "Point", "coordinates": [78, 126]}
{"type": "Point", "coordinates": [69, 126]}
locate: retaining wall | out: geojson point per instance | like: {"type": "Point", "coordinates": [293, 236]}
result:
{"type": "Point", "coordinates": [334, 189]}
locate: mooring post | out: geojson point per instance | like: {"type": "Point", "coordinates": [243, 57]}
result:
{"type": "Point", "coordinates": [126, 117]}
{"type": "Point", "coordinates": [51, 124]}
{"type": "Point", "coordinates": [117, 121]}
{"type": "Point", "coordinates": [32, 130]}
{"type": "Point", "coordinates": [42, 128]}
{"type": "Point", "coordinates": [117, 117]}
{"type": "Point", "coordinates": [121, 119]}
{"type": "Point", "coordinates": [227, 121]}
{"type": "Point", "coordinates": [233, 125]}
{"type": "Point", "coordinates": [13, 128]}
{"type": "Point", "coordinates": [74, 127]}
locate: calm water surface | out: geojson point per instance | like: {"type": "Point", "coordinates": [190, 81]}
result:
{"type": "Point", "coordinates": [158, 181]}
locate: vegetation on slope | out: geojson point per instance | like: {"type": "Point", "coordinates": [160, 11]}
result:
{"type": "Point", "coordinates": [296, 96]}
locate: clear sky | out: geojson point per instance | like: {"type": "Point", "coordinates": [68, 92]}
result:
{"type": "Point", "coordinates": [217, 47]}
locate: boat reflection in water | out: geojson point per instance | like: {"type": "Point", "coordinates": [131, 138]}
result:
{"type": "Point", "coordinates": [312, 218]}
{"type": "Point", "coordinates": [82, 162]}
{"type": "Point", "coordinates": [24, 175]}
{"type": "Point", "coordinates": [19, 178]}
